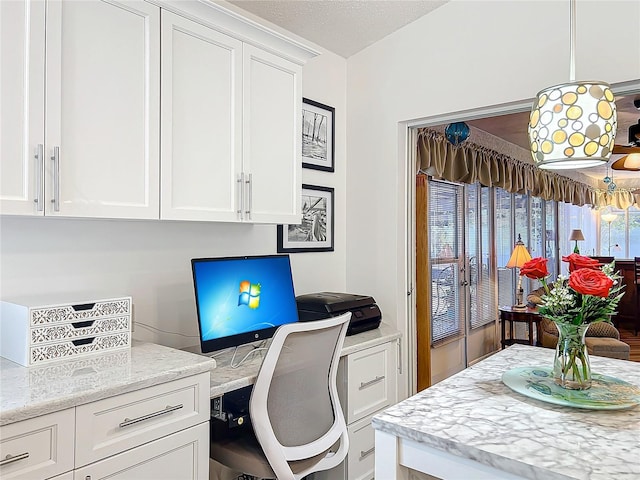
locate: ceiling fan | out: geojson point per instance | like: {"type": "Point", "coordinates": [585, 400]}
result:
{"type": "Point", "coordinates": [631, 151]}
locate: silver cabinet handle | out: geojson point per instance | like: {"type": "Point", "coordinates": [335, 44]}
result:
{"type": "Point", "coordinates": [13, 458]}
{"type": "Point", "coordinates": [371, 382]}
{"type": "Point", "coordinates": [249, 186]}
{"type": "Point", "coordinates": [168, 409]}
{"type": "Point", "coordinates": [366, 453]}
{"type": "Point", "coordinates": [240, 183]}
{"type": "Point", "coordinates": [56, 179]}
{"type": "Point", "coordinates": [39, 170]}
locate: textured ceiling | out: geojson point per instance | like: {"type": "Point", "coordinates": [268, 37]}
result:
{"type": "Point", "coordinates": [343, 27]}
{"type": "Point", "coordinates": [346, 27]}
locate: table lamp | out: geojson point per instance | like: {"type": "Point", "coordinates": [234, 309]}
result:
{"type": "Point", "coordinates": [519, 257]}
{"type": "Point", "coordinates": [576, 235]}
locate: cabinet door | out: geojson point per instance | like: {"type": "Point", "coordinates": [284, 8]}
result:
{"type": "Point", "coordinates": [183, 455]}
{"type": "Point", "coordinates": [102, 104]}
{"type": "Point", "coordinates": [39, 447]}
{"type": "Point", "coordinates": [272, 151]}
{"type": "Point", "coordinates": [201, 122]}
{"type": "Point", "coordinates": [21, 107]}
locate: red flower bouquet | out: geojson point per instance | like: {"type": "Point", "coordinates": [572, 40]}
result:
{"type": "Point", "coordinates": [590, 294]}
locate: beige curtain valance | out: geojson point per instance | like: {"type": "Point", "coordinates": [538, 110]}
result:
{"type": "Point", "coordinates": [471, 163]}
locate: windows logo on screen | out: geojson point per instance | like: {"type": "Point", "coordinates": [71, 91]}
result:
{"type": "Point", "coordinates": [249, 294]}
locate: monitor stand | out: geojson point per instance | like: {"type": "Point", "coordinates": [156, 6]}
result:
{"type": "Point", "coordinates": [261, 346]}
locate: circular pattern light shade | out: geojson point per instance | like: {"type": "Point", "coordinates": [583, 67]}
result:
{"type": "Point", "coordinates": [573, 125]}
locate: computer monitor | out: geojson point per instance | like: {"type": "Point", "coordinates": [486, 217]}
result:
{"type": "Point", "coordinates": [242, 299]}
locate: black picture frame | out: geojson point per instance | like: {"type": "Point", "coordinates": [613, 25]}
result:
{"type": "Point", "coordinates": [316, 232]}
{"type": "Point", "coordinates": [318, 136]}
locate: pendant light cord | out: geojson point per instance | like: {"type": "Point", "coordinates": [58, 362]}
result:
{"type": "Point", "coordinates": [572, 42]}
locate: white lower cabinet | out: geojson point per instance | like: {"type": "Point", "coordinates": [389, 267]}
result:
{"type": "Point", "coordinates": [183, 455]}
{"type": "Point", "coordinates": [367, 383]}
{"type": "Point", "coordinates": [159, 432]}
{"type": "Point", "coordinates": [40, 447]}
{"type": "Point", "coordinates": [63, 476]}
{"type": "Point", "coordinates": [361, 459]}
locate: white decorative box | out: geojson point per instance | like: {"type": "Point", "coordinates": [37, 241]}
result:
{"type": "Point", "coordinates": [33, 331]}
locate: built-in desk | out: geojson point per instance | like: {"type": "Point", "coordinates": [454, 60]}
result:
{"type": "Point", "coordinates": [472, 426]}
{"type": "Point", "coordinates": [163, 387]}
{"type": "Point", "coordinates": [224, 378]}
{"type": "Point", "coordinates": [367, 383]}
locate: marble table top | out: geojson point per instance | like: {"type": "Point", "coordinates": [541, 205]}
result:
{"type": "Point", "coordinates": [474, 415]}
{"type": "Point", "coordinates": [30, 392]}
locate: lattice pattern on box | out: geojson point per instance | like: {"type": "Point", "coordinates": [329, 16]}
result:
{"type": "Point", "coordinates": [70, 313]}
{"type": "Point", "coordinates": [73, 330]}
{"type": "Point", "coordinates": [57, 351]}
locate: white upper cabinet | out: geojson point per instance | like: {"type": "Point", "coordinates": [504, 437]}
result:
{"type": "Point", "coordinates": [272, 137]}
{"type": "Point", "coordinates": [22, 107]}
{"type": "Point", "coordinates": [102, 104]}
{"type": "Point", "coordinates": [83, 135]}
{"type": "Point", "coordinates": [231, 128]}
{"type": "Point", "coordinates": [201, 156]}
{"type": "Point", "coordinates": [96, 152]}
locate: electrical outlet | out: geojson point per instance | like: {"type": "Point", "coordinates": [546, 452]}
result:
{"type": "Point", "coordinates": [133, 318]}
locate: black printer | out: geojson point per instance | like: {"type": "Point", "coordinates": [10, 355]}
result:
{"type": "Point", "coordinates": [365, 314]}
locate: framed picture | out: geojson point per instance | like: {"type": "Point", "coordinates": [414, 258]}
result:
{"type": "Point", "coordinates": [315, 233]}
{"type": "Point", "coordinates": [318, 134]}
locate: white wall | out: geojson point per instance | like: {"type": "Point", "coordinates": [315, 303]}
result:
{"type": "Point", "coordinates": [465, 55]}
{"type": "Point", "coordinates": [150, 260]}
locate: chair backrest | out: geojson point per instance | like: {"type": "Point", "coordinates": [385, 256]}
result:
{"type": "Point", "coordinates": [294, 405]}
{"type": "Point", "coordinates": [636, 262]}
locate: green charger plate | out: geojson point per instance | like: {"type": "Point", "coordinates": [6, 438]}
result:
{"type": "Point", "coordinates": [606, 393]}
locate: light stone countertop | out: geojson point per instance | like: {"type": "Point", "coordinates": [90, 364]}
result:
{"type": "Point", "coordinates": [474, 415]}
{"type": "Point", "coordinates": [30, 392]}
{"type": "Point", "coordinates": [34, 391]}
{"type": "Point", "coordinates": [224, 378]}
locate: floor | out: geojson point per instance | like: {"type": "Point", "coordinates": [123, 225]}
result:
{"type": "Point", "coordinates": [627, 336]}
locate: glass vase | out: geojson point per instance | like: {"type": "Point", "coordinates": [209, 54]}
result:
{"type": "Point", "coordinates": [571, 369]}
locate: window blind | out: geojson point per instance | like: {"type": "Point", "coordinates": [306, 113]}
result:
{"type": "Point", "coordinates": [446, 250]}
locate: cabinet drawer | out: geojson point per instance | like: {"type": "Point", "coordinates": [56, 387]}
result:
{"type": "Point", "coordinates": [183, 455]}
{"type": "Point", "coordinates": [79, 312]}
{"type": "Point", "coordinates": [42, 447]}
{"type": "Point", "coordinates": [372, 381]}
{"type": "Point", "coordinates": [78, 347]}
{"type": "Point", "coordinates": [361, 458]}
{"type": "Point", "coordinates": [115, 424]}
{"type": "Point", "coordinates": [84, 329]}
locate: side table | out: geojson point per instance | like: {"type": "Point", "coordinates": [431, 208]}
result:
{"type": "Point", "coordinates": [529, 316]}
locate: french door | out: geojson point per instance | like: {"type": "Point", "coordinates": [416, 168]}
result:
{"type": "Point", "coordinates": [462, 306]}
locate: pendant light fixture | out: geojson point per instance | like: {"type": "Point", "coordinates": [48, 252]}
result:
{"type": "Point", "coordinates": [631, 160]}
{"type": "Point", "coordinates": [573, 125]}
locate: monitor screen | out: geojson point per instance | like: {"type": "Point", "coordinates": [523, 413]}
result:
{"type": "Point", "coordinates": [242, 299]}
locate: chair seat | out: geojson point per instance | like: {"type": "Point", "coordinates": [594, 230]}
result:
{"type": "Point", "coordinates": [245, 455]}
{"type": "Point", "coordinates": [607, 347]}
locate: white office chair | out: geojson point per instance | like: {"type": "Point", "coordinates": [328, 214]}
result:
{"type": "Point", "coordinates": [298, 424]}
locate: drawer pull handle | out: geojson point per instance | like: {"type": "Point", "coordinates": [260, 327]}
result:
{"type": "Point", "coordinates": [168, 409]}
{"type": "Point", "coordinates": [83, 307]}
{"type": "Point", "coordinates": [84, 324]}
{"type": "Point", "coordinates": [13, 458]}
{"type": "Point", "coordinates": [371, 382]}
{"type": "Point", "coordinates": [83, 341]}
{"type": "Point", "coordinates": [367, 452]}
